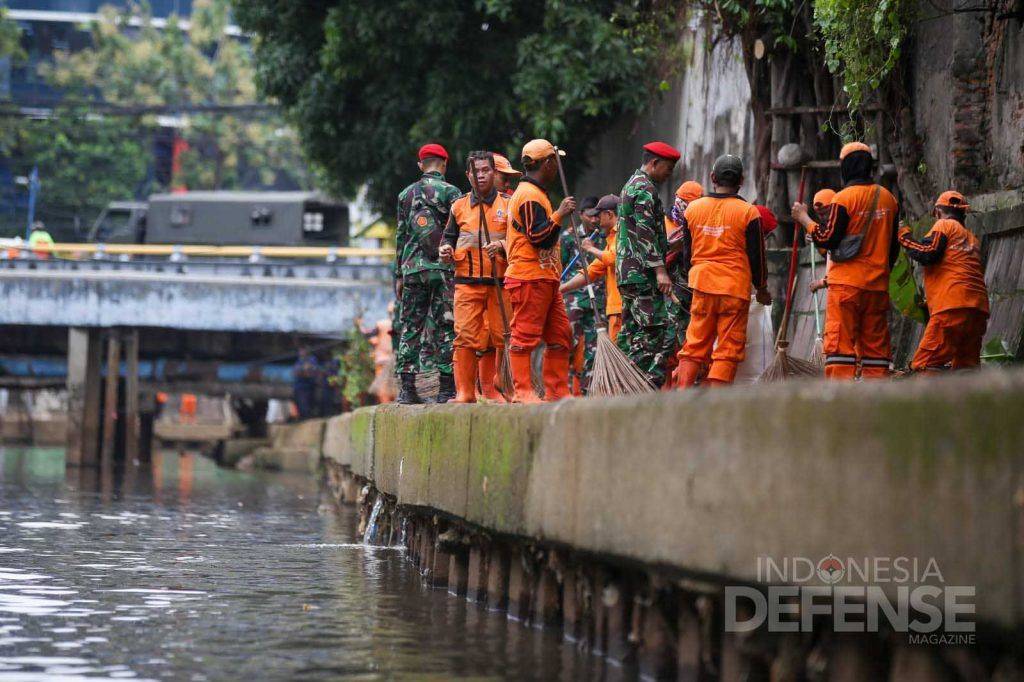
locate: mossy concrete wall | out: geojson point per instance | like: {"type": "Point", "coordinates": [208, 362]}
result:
{"type": "Point", "coordinates": [706, 482]}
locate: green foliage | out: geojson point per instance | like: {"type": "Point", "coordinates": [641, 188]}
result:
{"type": "Point", "coordinates": [84, 162]}
{"type": "Point", "coordinates": [173, 66]}
{"type": "Point", "coordinates": [356, 369]}
{"type": "Point", "coordinates": [367, 83]}
{"type": "Point", "coordinates": [863, 39]}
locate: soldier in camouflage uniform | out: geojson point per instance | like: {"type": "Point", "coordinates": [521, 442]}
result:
{"type": "Point", "coordinates": [640, 253]}
{"type": "Point", "coordinates": [577, 303]}
{"type": "Point", "coordinates": [425, 284]}
{"type": "Point", "coordinates": [679, 313]}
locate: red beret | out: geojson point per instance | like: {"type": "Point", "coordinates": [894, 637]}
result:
{"type": "Point", "coordinates": [665, 151]}
{"type": "Point", "coordinates": [433, 149]}
{"type": "Point", "coordinates": [768, 220]}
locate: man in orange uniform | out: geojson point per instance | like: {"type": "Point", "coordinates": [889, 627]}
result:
{"type": "Point", "coordinates": [533, 276]}
{"type": "Point", "coordinates": [722, 246]}
{"type": "Point", "coordinates": [474, 240]}
{"type": "Point", "coordinates": [861, 238]}
{"type": "Point", "coordinates": [506, 176]}
{"type": "Point", "coordinates": [603, 264]}
{"type": "Point", "coordinates": [954, 286]}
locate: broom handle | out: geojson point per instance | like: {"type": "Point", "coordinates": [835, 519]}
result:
{"type": "Point", "coordinates": [598, 316]}
{"type": "Point", "coordinates": [794, 262]}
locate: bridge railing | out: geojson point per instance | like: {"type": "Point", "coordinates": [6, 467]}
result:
{"type": "Point", "coordinates": [303, 262]}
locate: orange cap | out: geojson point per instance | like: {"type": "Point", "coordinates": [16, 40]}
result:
{"type": "Point", "coordinates": [851, 147]}
{"type": "Point", "coordinates": [536, 150]}
{"type": "Point", "coordinates": [823, 197]}
{"type": "Point", "coordinates": [690, 190]}
{"type": "Point", "coordinates": [502, 165]}
{"type": "Point", "coordinates": [952, 199]}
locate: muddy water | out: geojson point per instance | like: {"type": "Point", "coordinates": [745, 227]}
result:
{"type": "Point", "coordinates": [180, 570]}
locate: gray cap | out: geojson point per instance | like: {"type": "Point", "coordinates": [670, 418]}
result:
{"type": "Point", "coordinates": [728, 169]}
{"type": "Point", "coordinates": [609, 202]}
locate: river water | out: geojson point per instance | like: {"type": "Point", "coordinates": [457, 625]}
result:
{"type": "Point", "coordinates": [181, 570]}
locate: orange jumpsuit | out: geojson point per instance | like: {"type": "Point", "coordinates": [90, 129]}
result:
{"type": "Point", "coordinates": [723, 249]}
{"type": "Point", "coordinates": [954, 287]}
{"type": "Point", "coordinates": [604, 266]}
{"type": "Point", "coordinates": [478, 323]}
{"type": "Point", "coordinates": [383, 362]}
{"type": "Point", "coordinates": [857, 305]}
{"type": "Point", "coordinates": [532, 280]}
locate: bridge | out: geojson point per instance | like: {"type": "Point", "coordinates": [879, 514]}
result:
{"type": "Point", "coordinates": [224, 318]}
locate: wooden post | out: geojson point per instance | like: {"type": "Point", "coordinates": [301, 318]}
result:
{"type": "Point", "coordinates": [83, 382]}
{"type": "Point", "coordinates": [131, 399]}
{"type": "Point", "coordinates": [110, 396]}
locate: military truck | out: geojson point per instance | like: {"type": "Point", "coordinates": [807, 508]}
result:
{"type": "Point", "coordinates": [226, 218]}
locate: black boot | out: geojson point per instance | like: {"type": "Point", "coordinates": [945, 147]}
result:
{"type": "Point", "coordinates": [408, 394]}
{"type": "Point", "coordinates": [446, 388]}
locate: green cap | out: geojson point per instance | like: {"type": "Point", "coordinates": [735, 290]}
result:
{"type": "Point", "coordinates": [728, 169]}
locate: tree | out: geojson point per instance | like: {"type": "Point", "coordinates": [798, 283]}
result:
{"type": "Point", "coordinates": [178, 67]}
{"type": "Point", "coordinates": [367, 83]}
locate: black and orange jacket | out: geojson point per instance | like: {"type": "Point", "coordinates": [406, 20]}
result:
{"type": "Point", "coordinates": [721, 246]}
{"type": "Point", "coordinates": [953, 274]}
{"type": "Point", "coordinates": [532, 243]}
{"type": "Point", "coordinates": [869, 269]}
{"type": "Point", "coordinates": [465, 234]}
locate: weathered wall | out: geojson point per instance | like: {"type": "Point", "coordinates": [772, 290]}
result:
{"type": "Point", "coordinates": [704, 113]}
{"type": "Point", "coordinates": [707, 482]}
{"type": "Point", "coordinates": [968, 96]}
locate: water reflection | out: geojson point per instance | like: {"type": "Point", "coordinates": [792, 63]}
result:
{"type": "Point", "coordinates": [182, 570]}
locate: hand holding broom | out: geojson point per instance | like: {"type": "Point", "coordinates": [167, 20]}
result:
{"type": "Point", "coordinates": [614, 373]}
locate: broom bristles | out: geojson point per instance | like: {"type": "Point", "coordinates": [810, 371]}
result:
{"type": "Point", "coordinates": [614, 373]}
{"type": "Point", "coordinates": [818, 357]}
{"type": "Point", "coordinates": [784, 366]}
{"type": "Point", "coordinates": [503, 377]}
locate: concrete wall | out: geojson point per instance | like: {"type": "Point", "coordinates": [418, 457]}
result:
{"type": "Point", "coordinates": [704, 113]}
{"type": "Point", "coordinates": [707, 482]}
{"type": "Point", "coordinates": [104, 299]}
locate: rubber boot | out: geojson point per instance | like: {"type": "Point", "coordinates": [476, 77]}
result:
{"type": "Point", "coordinates": [488, 372]}
{"type": "Point", "coordinates": [521, 367]}
{"type": "Point", "coordinates": [465, 375]}
{"type": "Point", "coordinates": [686, 374]}
{"type": "Point", "coordinates": [556, 374]}
{"type": "Point", "coordinates": [408, 395]}
{"type": "Point", "coordinates": [446, 388]}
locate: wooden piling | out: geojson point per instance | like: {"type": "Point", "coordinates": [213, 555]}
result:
{"type": "Point", "coordinates": [458, 574]}
{"type": "Point", "coordinates": [498, 571]}
{"type": "Point", "coordinates": [110, 397]}
{"type": "Point", "coordinates": [83, 383]}
{"type": "Point", "coordinates": [131, 397]}
{"type": "Point", "coordinates": [519, 589]}
{"type": "Point", "coordinates": [476, 581]}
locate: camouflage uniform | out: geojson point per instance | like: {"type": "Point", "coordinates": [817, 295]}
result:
{"type": "Point", "coordinates": [577, 303]}
{"type": "Point", "coordinates": [679, 313]}
{"type": "Point", "coordinates": [641, 246]}
{"type": "Point", "coordinates": [427, 283]}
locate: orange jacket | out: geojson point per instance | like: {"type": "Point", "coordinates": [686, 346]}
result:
{"type": "Point", "coordinates": [532, 243]}
{"type": "Point", "coordinates": [869, 269]}
{"type": "Point", "coordinates": [605, 266]}
{"type": "Point", "coordinates": [953, 275]}
{"type": "Point", "coordinates": [723, 247]}
{"type": "Point", "coordinates": [465, 234]}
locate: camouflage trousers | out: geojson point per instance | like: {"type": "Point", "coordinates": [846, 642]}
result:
{"type": "Point", "coordinates": [647, 337]}
{"type": "Point", "coordinates": [427, 301]}
{"type": "Point", "coordinates": [679, 315]}
{"type": "Point", "coordinates": [584, 330]}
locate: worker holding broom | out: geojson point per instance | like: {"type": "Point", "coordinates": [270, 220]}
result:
{"type": "Point", "coordinates": [474, 240]}
{"type": "Point", "coordinates": [954, 287]}
{"type": "Point", "coordinates": [603, 265]}
{"type": "Point", "coordinates": [860, 236]}
{"type": "Point", "coordinates": [424, 283]}
{"type": "Point", "coordinates": [722, 246]}
{"type": "Point", "coordinates": [533, 276]}
{"type": "Point", "coordinates": [678, 305]}
{"type": "Point", "coordinates": [641, 248]}
{"type": "Point", "coordinates": [577, 303]}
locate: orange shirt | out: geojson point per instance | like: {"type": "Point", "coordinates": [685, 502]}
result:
{"type": "Point", "coordinates": [471, 261]}
{"type": "Point", "coordinates": [605, 266]}
{"type": "Point", "coordinates": [720, 229]}
{"type": "Point", "coordinates": [953, 275]}
{"type": "Point", "coordinates": [869, 269]}
{"type": "Point", "coordinates": [532, 243]}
